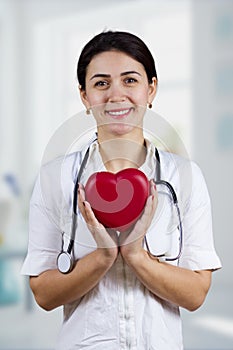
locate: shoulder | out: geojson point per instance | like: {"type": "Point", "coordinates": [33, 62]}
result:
{"type": "Point", "coordinates": [66, 164]}
{"type": "Point", "coordinates": [186, 177]}
{"type": "Point", "coordinates": [171, 162]}
{"type": "Point", "coordinates": [176, 169]}
{"type": "Point", "coordinates": [54, 178]}
{"type": "Point", "coordinates": [60, 167]}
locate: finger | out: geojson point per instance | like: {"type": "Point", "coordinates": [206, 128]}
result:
{"type": "Point", "coordinates": [154, 194]}
{"type": "Point", "coordinates": [139, 230]}
{"type": "Point", "coordinates": [99, 232]}
{"type": "Point", "coordinates": [81, 199]}
{"type": "Point", "coordinates": [152, 187]}
{"type": "Point", "coordinates": [141, 226]}
{"type": "Point", "coordinates": [91, 219]}
{"type": "Point", "coordinates": [148, 207]}
{"type": "Point", "coordinates": [143, 222]}
{"type": "Point", "coordinates": [81, 192]}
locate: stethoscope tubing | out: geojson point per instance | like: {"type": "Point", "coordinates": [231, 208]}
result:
{"type": "Point", "coordinates": [68, 253]}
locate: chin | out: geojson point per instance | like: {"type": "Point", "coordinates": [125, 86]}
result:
{"type": "Point", "coordinates": [120, 129]}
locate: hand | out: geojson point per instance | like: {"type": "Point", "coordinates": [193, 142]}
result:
{"type": "Point", "coordinates": [106, 239]}
{"type": "Point", "coordinates": [131, 243]}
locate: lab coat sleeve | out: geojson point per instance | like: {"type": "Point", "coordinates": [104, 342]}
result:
{"type": "Point", "coordinates": [45, 236]}
{"type": "Point", "coordinates": [198, 243]}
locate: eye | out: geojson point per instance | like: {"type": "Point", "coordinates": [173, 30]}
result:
{"type": "Point", "coordinates": [101, 84]}
{"type": "Point", "coordinates": [130, 81]}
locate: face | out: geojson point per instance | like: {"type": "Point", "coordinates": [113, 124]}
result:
{"type": "Point", "coordinates": [117, 91]}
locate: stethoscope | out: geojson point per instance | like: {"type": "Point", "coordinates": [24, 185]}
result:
{"type": "Point", "coordinates": [65, 260]}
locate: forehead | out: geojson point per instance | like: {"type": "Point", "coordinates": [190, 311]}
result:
{"type": "Point", "coordinates": [113, 62]}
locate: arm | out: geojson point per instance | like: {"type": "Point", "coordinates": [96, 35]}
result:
{"type": "Point", "coordinates": [178, 285]}
{"type": "Point", "coordinates": [52, 288]}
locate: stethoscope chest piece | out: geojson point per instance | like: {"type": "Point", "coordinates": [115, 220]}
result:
{"type": "Point", "coordinates": [64, 262]}
{"type": "Point", "coordinates": [65, 258]}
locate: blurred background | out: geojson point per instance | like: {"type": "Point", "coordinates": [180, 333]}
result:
{"type": "Point", "coordinates": [40, 41]}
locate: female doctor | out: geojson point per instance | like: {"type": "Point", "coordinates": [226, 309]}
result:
{"type": "Point", "coordinates": [117, 295]}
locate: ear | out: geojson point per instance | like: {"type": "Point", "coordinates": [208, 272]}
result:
{"type": "Point", "coordinates": [152, 90]}
{"type": "Point", "coordinates": [84, 98]}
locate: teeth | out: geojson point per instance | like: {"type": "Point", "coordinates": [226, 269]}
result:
{"type": "Point", "coordinates": [116, 113]}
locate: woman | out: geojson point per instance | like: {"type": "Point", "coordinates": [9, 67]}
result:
{"type": "Point", "coordinates": [118, 296]}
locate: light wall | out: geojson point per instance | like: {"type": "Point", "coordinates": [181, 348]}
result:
{"type": "Point", "coordinates": [40, 42]}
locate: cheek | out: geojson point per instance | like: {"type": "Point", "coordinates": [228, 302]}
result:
{"type": "Point", "coordinates": [96, 98]}
{"type": "Point", "coordinates": [140, 97]}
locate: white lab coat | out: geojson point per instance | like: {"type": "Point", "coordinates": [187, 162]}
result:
{"type": "Point", "coordinates": [120, 313]}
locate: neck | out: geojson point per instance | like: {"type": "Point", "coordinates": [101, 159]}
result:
{"type": "Point", "coordinates": [121, 153]}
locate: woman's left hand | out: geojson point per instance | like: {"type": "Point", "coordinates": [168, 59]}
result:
{"type": "Point", "coordinates": [131, 243]}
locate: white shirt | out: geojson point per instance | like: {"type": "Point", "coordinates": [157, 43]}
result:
{"type": "Point", "coordinates": [120, 313]}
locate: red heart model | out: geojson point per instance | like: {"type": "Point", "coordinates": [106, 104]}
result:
{"type": "Point", "coordinates": [117, 200]}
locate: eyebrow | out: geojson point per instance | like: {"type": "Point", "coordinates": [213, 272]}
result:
{"type": "Point", "coordinates": [102, 75]}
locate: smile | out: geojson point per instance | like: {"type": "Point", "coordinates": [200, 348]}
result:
{"type": "Point", "coordinates": [119, 113]}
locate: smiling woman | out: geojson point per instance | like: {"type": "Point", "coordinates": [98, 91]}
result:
{"type": "Point", "coordinates": [117, 292]}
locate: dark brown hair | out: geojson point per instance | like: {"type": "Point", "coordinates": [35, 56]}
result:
{"type": "Point", "coordinates": [119, 41]}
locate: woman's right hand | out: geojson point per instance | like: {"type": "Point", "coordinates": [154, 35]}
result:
{"type": "Point", "coordinates": [106, 239]}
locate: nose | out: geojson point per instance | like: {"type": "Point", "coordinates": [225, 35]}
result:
{"type": "Point", "coordinates": [116, 93]}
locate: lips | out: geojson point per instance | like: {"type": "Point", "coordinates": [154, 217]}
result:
{"type": "Point", "coordinates": [119, 113]}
